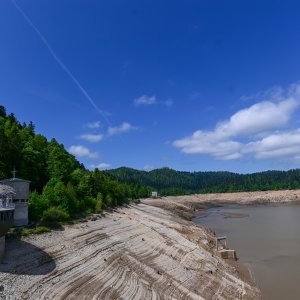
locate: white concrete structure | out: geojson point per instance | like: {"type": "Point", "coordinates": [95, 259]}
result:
{"type": "Point", "coordinates": [154, 194]}
{"type": "Point", "coordinates": [20, 199]}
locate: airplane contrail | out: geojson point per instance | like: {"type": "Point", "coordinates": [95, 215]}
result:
{"type": "Point", "coordinates": [59, 61]}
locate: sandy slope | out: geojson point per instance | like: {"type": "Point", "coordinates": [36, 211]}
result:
{"type": "Point", "coordinates": [139, 252]}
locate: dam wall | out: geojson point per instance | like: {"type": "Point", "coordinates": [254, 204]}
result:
{"type": "Point", "coordinates": [21, 214]}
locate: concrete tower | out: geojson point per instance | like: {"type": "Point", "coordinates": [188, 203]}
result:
{"type": "Point", "coordinates": [20, 198]}
{"type": "Point", "coordinates": [6, 214]}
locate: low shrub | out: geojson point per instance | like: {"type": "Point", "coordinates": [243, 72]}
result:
{"type": "Point", "coordinates": [54, 215]}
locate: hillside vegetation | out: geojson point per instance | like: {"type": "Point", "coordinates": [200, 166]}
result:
{"type": "Point", "coordinates": [62, 188]}
{"type": "Point", "coordinates": [171, 182]}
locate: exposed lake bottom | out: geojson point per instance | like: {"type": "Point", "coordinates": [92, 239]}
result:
{"type": "Point", "coordinates": [267, 238]}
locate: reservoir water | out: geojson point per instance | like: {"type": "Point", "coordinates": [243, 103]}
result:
{"type": "Point", "coordinates": [266, 237]}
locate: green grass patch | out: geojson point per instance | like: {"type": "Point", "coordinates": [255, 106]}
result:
{"type": "Point", "coordinates": [34, 230]}
{"type": "Point", "coordinates": [18, 232]}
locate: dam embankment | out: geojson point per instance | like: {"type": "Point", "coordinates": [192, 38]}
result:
{"type": "Point", "coordinates": [135, 252]}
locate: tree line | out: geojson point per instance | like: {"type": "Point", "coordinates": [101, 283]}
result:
{"type": "Point", "coordinates": [170, 182]}
{"type": "Point", "coordinates": [61, 187]}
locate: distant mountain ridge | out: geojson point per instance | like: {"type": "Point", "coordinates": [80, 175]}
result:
{"type": "Point", "coordinates": [171, 182]}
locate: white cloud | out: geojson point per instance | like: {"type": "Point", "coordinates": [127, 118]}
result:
{"type": "Point", "coordinates": [276, 145]}
{"type": "Point", "coordinates": [145, 100]}
{"type": "Point", "coordinates": [101, 166]}
{"type": "Point", "coordinates": [151, 100]}
{"type": "Point", "coordinates": [93, 138]}
{"type": "Point", "coordinates": [209, 143]}
{"type": "Point", "coordinates": [258, 118]}
{"type": "Point", "coordinates": [123, 128]}
{"type": "Point", "coordinates": [260, 130]}
{"type": "Point", "coordinates": [94, 125]}
{"type": "Point", "coordinates": [82, 151]}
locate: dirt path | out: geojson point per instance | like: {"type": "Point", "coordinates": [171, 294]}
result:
{"type": "Point", "coordinates": [140, 252]}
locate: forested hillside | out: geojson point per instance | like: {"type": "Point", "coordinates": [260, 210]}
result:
{"type": "Point", "coordinates": [171, 182]}
{"type": "Point", "coordinates": [61, 187]}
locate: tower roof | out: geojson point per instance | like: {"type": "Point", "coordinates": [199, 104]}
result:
{"type": "Point", "coordinates": [14, 179]}
{"type": "Point", "coordinates": [6, 190]}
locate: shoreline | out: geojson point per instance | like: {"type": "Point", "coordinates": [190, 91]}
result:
{"type": "Point", "coordinates": [135, 252]}
{"type": "Point", "coordinates": [190, 206]}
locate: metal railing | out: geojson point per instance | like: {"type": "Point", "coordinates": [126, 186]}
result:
{"type": "Point", "coordinates": [6, 204]}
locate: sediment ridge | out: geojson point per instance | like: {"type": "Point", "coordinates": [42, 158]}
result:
{"type": "Point", "coordinates": [135, 252]}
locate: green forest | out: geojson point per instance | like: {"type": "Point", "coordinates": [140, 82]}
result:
{"type": "Point", "coordinates": [61, 187]}
{"type": "Point", "coordinates": [170, 182]}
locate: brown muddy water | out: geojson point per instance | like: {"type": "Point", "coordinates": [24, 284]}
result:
{"type": "Point", "coordinates": [266, 238]}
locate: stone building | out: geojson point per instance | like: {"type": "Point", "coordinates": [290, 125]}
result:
{"type": "Point", "coordinates": [6, 214]}
{"type": "Point", "coordinates": [20, 199]}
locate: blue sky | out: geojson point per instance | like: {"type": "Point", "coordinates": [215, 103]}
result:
{"type": "Point", "coordinates": [192, 85]}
